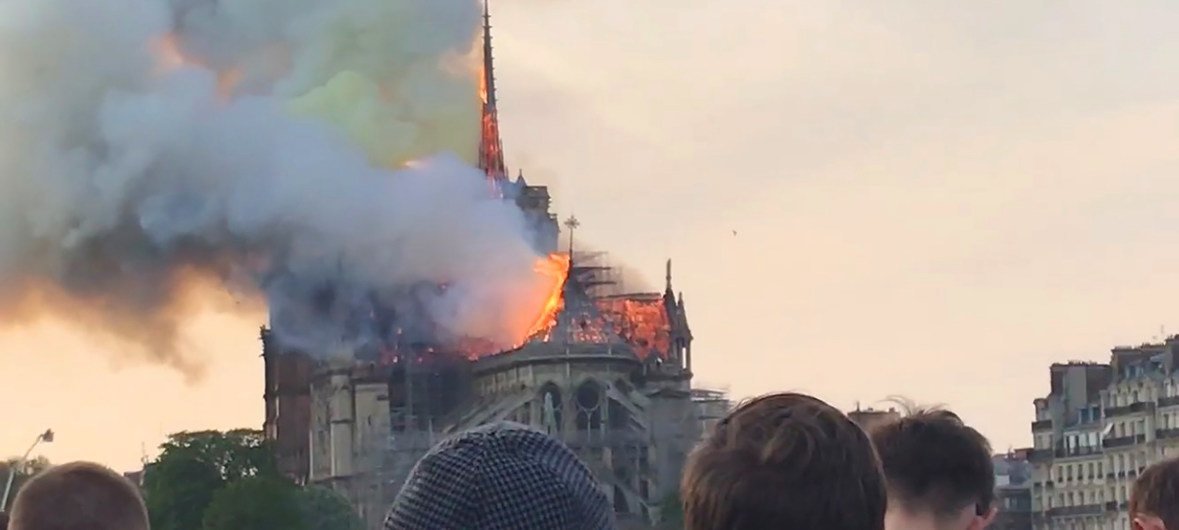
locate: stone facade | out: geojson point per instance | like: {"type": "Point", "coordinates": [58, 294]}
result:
{"type": "Point", "coordinates": [1013, 491]}
{"type": "Point", "coordinates": [1098, 428]}
{"type": "Point", "coordinates": [631, 416]}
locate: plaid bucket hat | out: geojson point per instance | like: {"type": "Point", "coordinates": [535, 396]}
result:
{"type": "Point", "coordinates": [501, 476]}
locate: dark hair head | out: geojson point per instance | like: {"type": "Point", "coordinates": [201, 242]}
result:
{"type": "Point", "coordinates": [78, 496]}
{"type": "Point", "coordinates": [933, 462]}
{"type": "Point", "coordinates": [1156, 493]}
{"type": "Point", "coordinates": [784, 461]}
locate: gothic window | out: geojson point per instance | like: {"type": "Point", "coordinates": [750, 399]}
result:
{"type": "Point", "coordinates": [589, 399]}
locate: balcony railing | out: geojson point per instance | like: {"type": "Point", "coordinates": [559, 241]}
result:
{"type": "Point", "coordinates": [1042, 425]}
{"type": "Point", "coordinates": [1133, 408]}
{"type": "Point", "coordinates": [1071, 511]}
{"type": "Point", "coordinates": [1111, 506]}
{"type": "Point", "coordinates": [1124, 441]}
{"type": "Point", "coordinates": [1040, 455]}
{"type": "Point", "coordinates": [1165, 434]}
{"type": "Point", "coordinates": [1169, 401]}
{"type": "Point", "coordinates": [1062, 452]}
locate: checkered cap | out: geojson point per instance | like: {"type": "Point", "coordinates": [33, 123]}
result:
{"type": "Point", "coordinates": [500, 476]}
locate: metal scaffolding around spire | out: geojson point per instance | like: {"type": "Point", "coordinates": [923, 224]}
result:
{"type": "Point", "coordinates": [491, 153]}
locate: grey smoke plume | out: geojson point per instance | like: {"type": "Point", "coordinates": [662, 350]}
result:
{"type": "Point", "coordinates": [149, 146]}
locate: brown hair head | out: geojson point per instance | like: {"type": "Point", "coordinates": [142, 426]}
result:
{"type": "Point", "coordinates": [1156, 493]}
{"type": "Point", "coordinates": [784, 461]}
{"type": "Point", "coordinates": [78, 496]}
{"type": "Point", "coordinates": [934, 463]}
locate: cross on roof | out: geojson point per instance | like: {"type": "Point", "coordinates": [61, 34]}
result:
{"type": "Point", "coordinates": [572, 224]}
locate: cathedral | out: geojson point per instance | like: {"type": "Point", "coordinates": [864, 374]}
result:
{"type": "Point", "coordinates": [611, 378]}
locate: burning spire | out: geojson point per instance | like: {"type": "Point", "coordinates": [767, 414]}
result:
{"type": "Point", "coordinates": [491, 154]}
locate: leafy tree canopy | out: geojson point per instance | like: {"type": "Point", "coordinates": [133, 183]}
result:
{"type": "Point", "coordinates": [232, 454]}
{"type": "Point", "coordinates": [194, 466]}
{"type": "Point", "coordinates": [324, 509]}
{"type": "Point", "coordinates": [255, 503]}
{"type": "Point", "coordinates": [211, 480]}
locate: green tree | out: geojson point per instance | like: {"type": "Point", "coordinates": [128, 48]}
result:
{"type": "Point", "coordinates": [234, 454]}
{"type": "Point", "coordinates": [194, 466]}
{"type": "Point", "coordinates": [255, 503]}
{"type": "Point", "coordinates": [324, 509]}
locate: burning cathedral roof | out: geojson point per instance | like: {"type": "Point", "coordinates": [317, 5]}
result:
{"type": "Point", "coordinates": [641, 324]}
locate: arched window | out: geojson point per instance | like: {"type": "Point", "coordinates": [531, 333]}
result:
{"type": "Point", "coordinates": [589, 398]}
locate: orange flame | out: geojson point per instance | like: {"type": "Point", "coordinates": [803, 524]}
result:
{"type": "Point", "coordinates": [642, 321]}
{"type": "Point", "coordinates": [483, 84]}
{"type": "Point", "coordinates": [170, 56]}
{"type": "Point", "coordinates": [555, 269]}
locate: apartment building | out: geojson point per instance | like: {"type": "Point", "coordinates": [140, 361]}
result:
{"type": "Point", "coordinates": [1100, 425]}
{"type": "Point", "coordinates": [1013, 490]}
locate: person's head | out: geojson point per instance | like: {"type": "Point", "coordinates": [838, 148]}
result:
{"type": "Point", "coordinates": [784, 461]}
{"type": "Point", "coordinates": [1154, 503]}
{"type": "Point", "coordinates": [939, 471]}
{"type": "Point", "coordinates": [501, 476]}
{"type": "Point", "coordinates": [78, 496]}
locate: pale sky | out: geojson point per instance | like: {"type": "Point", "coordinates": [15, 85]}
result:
{"type": "Point", "coordinates": [933, 199]}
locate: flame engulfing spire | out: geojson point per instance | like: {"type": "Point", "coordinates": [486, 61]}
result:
{"type": "Point", "coordinates": [491, 153]}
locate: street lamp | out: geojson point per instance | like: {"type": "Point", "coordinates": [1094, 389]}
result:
{"type": "Point", "coordinates": [46, 437]}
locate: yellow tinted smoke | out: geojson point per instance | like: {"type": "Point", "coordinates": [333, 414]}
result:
{"type": "Point", "coordinates": [377, 116]}
{"type": "Point", "coordinates": [353, 103]}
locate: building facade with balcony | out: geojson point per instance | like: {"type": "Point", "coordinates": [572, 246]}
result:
{"type": "Point", "coordinates": [1100, 425]}
{"type": "Point", "coordinates": [1013, 492]}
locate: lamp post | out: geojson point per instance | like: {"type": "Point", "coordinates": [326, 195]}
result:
{"type": "Point", "coordinates": [46, 437]}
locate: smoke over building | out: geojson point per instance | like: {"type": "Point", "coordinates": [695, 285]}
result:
{"type": "Point", "coordinates": [606, 371]}
{"type": "Point", "coordinates": [315, 158]}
